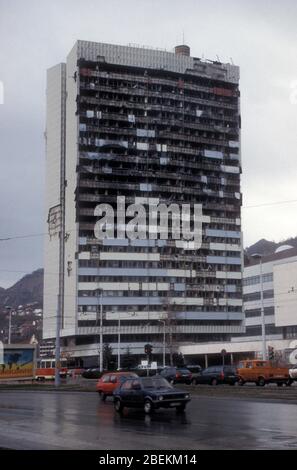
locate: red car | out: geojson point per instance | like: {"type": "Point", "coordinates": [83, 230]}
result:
{"type": "Point", "coordinates": [110, 381]}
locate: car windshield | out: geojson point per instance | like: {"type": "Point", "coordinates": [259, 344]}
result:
{"type": "Point", "coordinates": [155, 383]}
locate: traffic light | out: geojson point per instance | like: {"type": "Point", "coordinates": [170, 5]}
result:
{"type": "Point", "coordinates": [270, 353]}
{"type": "Point", "coordinates": [148, 348]}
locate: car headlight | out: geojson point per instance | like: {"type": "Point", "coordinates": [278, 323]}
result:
{"type": "Point", "coordinates": [161, 397]}
{"type": "Point", "coordinates": [187, 396]}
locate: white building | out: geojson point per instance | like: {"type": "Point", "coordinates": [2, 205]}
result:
{"type": "Point", "coordinates": [280, 310]}
{"type": "Point", "coordinates": [46, 348]}
{"type": "Point", "coordinates": [155, 126]}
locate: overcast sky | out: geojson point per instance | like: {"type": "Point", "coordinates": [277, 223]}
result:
{"type": "Point", "coordinates": [259, 36]}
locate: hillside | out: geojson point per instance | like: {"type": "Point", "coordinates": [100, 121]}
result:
{"type": "Point", "coordinates": [27, 290]}
{"type": "Point", "coordinates": [266, 247]}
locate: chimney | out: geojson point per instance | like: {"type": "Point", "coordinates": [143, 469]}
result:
{"type": "Point", "coordinates": [182, 50]}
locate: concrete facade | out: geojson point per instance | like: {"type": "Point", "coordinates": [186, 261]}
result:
{"type": "Point", "coordinates": [279, 272]}
{"type": "Point", "coordinates": [150, 125]}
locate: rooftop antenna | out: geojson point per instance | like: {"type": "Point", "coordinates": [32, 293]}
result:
{"type": "Point", "coordinates": [231, 61]}
{"type": "Point", "coordinates": [218, 59]}
{"type": "Point", "coordinates": [183, 37]}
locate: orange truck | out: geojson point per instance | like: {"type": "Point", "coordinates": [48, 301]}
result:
{"type": "Point", "coordinates": [262, 373]}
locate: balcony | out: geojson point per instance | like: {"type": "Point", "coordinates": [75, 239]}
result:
{"type": "Point", "coordinates": [156, 329]}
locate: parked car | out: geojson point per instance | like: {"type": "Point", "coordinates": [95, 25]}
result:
{"type": "Point", "coordinates": [262, 372]}
{"type": "Point", "coordinates": [195, 368]}
{"type": "Point", "coordinates": [216, 375]}
{"type": "Point", "coordinates": [92, 373]}
{"type": "Point", "coordinates": [293, 372]}
{"type": "Point", "coordinates": [75, 372]}
{"type": "Point", "coordinates": [149, 393]}
{"type": "Point", "coordinates": [176, 375]}
{"type": "Point", "coordinates": [145, 372]}
{"type": "Point", "coordinates": [110, 381]}
{"type": "Point", "coordinates": [195, 371]}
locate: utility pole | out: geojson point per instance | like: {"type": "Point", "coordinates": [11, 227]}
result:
{"type": "Point", "coordinates": [170, 345]}
{"type": "Point", "coordinates": [9, 328]}
{"type": "Point", "coordinates": [101, 334]}
{"type": "Point", "coordinates": [58, 345]}
{"type": "Point", "coordinates": [164, 341]}
{"type": "Point", "coordinates": [119, 342]}
{"type": "Point", "coordinates": [60, 297]}
{"type": "Point", "coordinates": [9, 324]}
{"type": "Point", "coordinates": [262, 313]}
{"type": "Point", "coordinates": [169, 322]}
{"type": "Point", "coordinates": [170, 319]}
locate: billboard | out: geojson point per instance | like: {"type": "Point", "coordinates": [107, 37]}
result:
{"type": "Point", "coordinates": [17, 362]}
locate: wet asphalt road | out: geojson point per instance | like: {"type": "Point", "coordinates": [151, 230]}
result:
{"type": "Point", "coordinates": [78, 420]}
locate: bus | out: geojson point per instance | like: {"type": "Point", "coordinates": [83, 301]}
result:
{"type": "Point", "coordinates": [45, 369]}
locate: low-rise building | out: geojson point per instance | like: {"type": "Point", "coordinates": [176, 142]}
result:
{"type": "Point", "coordinates": [279, 284]}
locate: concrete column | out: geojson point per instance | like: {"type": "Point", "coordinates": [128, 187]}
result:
{"type": "Point", "coordinates": [231, 359]}
{"type": "Point", "coordinates": [206, 360]}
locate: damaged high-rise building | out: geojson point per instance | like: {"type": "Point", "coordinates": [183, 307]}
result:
{"type": "Point", "coordinates": [147, 125]}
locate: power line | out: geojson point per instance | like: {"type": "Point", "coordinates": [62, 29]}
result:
{"type": "Point", "coordinates": [266, 204]}
{"type": "Point", "coordinates": [16, 237]}
{"type": "Point", "coordinates": [42, 234]}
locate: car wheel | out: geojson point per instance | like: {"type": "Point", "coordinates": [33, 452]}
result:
{"type": "Point", "coordinates": [214, 382]}
{"type": "Point", "coordinates": [261, 382]}
{"type": "Point", "coordinates": [181, 408]}
{"type": "Point", "coordinates": [241, 382]}
{"type": "Point", "coordinates": [118, 406]}
{"type": "Point", "coordinates": [102, 396]}
{"type": "Point", "coordinates": [289, 382]}
{"type": "Point", "coordinates": [279, 384]}
{"type": "Point", "coordinates": [148, 407]}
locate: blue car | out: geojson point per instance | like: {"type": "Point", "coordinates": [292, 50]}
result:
{"type": "Point", "coordinates": [149, 393]}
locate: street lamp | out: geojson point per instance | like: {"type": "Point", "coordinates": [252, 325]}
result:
{"type": "Point", "coordinates": [259, 257]}
{"type": "Point", "coordinates": [9, 323]}
{"type": "Point", "coordinates": [119, 341]}
{"type": "Point", "coordinates": [164, 341]}
{"type": "Point", "coordinates": [58, 343]}
{"type": "Point", "coordinates": [101, 331]}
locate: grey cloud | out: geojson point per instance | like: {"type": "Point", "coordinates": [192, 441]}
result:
{"type": "Point", "coordinates": [260, 36]}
